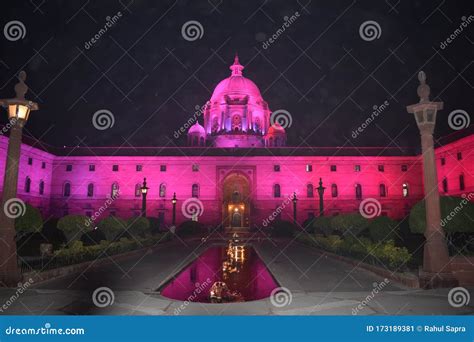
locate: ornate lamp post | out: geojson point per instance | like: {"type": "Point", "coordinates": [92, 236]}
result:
{"type": "Point", "coordinates": [321, 200]}
{"type": "Point", "coordinates": [18, 112]}
{"type": "Point", "coordinates": [436, 271]}
{"type": "Point", "coordinates": [174, 200]}
{"type": "Point", "coordinates": [295, 200]}
{"type": "Point", "coordinates": [144, 190]}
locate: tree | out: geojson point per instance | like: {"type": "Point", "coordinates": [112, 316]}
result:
{"type": "Point", "coordinates": [138, 226]}
{"type": "Point", "coordinates": [112, 227]}
{"type": "Point", "coordinates": [383, 228]}
{"type": "Point", "coordinates": [30, 222]}
{"type": "Point", "coordinates": [73, 226]}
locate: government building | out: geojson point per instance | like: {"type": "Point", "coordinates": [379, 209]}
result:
{"type": "Point", "coordinates": [237, 170]}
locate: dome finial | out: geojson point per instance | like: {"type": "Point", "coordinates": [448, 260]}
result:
{"type": "Point", "coordinates": [236, 67]}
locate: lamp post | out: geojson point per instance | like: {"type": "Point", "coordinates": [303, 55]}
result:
{"type": "Point", "coordinates": [144, 190]}
{"type": "Point", "coordinates": [295, 200]}
{"type": "Point", "coordinates": [174, 200]}
{"type": "Point", "coordinates": [321, 200]}
{"type": "Point", "coordinates": [18, 112]}
{"type": "Point", "coordinates": [436, 271]}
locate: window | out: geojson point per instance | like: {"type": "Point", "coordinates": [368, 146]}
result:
{"type": "Point", "coordinates": [459, 155]}
{"type": "Point", "coordinates": [461, 182]}
{"type": "Point", "coordinates": [90, 190]}
{"type": "Point", "coordinates": [43, 165]}
{"type": "Point", "coordinates": [163, 168]}
{"type": "Point", "coordinates": [114, 190]}
{"type": "Point", "coordinates": [139, 168]}
{"type": "Point", "coordinates": [114, 167]}
{"type": "Point", "coordinates": [334, 190]}
{"type": "Point", "coordinates": [309, 190]}
{"type": "Point", "coordinates": [67, 189]}
{"type": "Point", "coordinates": [382, 190]}
{"type": "Point", "coordinates": [333, 168]}
{"type": "Point", "coordinates": [357, 168]}
{"type": "Point", "coordinates": [195, 167]}
{"type": "Point", "coordinates": [41, 187]}
{"type": "Point", "coordinates": [404, 168]}
{"type": "Point", "coordinates": [27, 184]}
{"type": "Point", "coordinates": [445, 185]}
{"type": "Point", "coordinates": [276, 168]}
{"type": "Point", "coordinates": [68, 167]}
{"type": "Point", "coordinates": [405, 191]}
{"type": "Point", "coordinates": [381, 168]}
{"type": "Point", "coordinates": [162, 190]}
{"type": "Point", "coordinates": [195, 191]}
{"type": "Point", "coordinates": [30, 161]}
{"type": "Point", "coordinates": [358, 191]}
{"type": "Point", "coordinates": [443, 161]}
{"type": "Point", "coordinates": [138, 190]}
{"type": "Point", "coordinates": [309, 168]}
{"type": "Point", "coordinates": [92, 167]}
{"type": "Point", "coordinates": [276, 191]}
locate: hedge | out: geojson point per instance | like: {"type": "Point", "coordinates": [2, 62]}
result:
{"type": "Point", "coordinates": [383, 228]}
{"type": "Point", "coordinates": [73, 226]}
{"type": "Point", "coordinates": [112, 227]}
{"type": "Point", "coordinates": [138, 226]}
{"type": "Point", "coordinates": [30, 222]}
{"type": "Point", "coordinates": [349, 224]}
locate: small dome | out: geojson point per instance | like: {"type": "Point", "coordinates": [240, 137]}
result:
{"type": "Point", "coordinates": [276, 129]}
{"type": "Point", "coordinates": [196, 128]}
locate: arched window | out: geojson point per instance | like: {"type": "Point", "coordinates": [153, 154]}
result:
{"type": "Point", "coordinates": [67, 189]}
{"type": "Point", "coordinates": [358, 191]}
{"type": "Point", "coordinates": [405, 191]}
{"type": "Point", "coordinates": [27, 184]}
{"type": "Point", "coordinates": [138, 189]}
{"type": "Point", "coordinates": [334, 190]}
{"type": "Point", "coordinates": [41, 187]}
{"type": "Point", "coordinates": [461, 182]}
{"type": "Point", "coordinates": [162, 190]}
{"type": "Point", "coordinates": [90, 190]}
{"type": "Point", "coordinates": [445, 185]}
{"type": "Point", "coordinates": [276, 191]}
{"type": "Point", "coordinates": [195, 191]}
{"type": "Point", "coordinates": [114, 191]}
{"type": "Point", "coordinates": [309, 190]}
{"type": "Point", "coordinates": [382, 190]}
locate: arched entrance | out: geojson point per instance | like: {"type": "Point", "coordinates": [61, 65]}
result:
{"type": "Point", "coordinates": [236, 201]}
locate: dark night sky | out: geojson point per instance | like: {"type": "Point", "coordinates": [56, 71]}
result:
{"type": "Point", "coordinates": [150, 78]}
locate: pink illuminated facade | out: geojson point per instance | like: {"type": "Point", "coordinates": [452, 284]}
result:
{"type": "Point", "coordinates": [237, 167]}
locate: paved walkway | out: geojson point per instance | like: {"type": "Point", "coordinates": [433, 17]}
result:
{"type": "Point", "coordinates": [319, 286]}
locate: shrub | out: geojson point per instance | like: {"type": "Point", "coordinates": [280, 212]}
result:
{"type": "Point", "coordinates": [30, 222]}
{"type": "Point", "coordinates": [383, 228]}
{"type": "Point", "coordinates": [112, 227]}
{"type": "Point", "coordinates": [283, 228]}
{"type": "Point", "coordinates": [189, 228]}
{"type": "Point", "coordinates": [308, 225]}
{"type": "Point", "coordinates": [154, 225]}
{"type": "Point", "coordinates": [73, 226]}
{"type": "Point", "coordinates": [138, 226]}
{"type": "Point", "coordinates": [349, 224]}
{"type": "Point", "coordinates": [322, 225]}
{"type": "Point", "coordinates": [93, 237]}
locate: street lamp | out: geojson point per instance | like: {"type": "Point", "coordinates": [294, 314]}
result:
{"type": "Point", "coordinates": [18, 112]}
{"type": "Point", "coordinates": [436, 272]}
{"type": "Point", "coordinates": [144, 190]}
{"type": "Point", "coordinates": [174, 200]}
{"type": "Point", "coordinates": [295, 200]}
{"type": "Point", "coordinates": [321, 200]}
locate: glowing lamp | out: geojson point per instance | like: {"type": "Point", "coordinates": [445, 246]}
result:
{"type": "Point", "coordinates": [174, 200]}
{"type": "Point", "coordinates": [19, 108]}
{"type": "Point", "coordinates": [144, 188]}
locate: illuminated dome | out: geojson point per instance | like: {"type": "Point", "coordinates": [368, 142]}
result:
{"type": "Point", "coordinates": [197, 128]}
{"type": "Point", "coordinates": [276, 129]}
